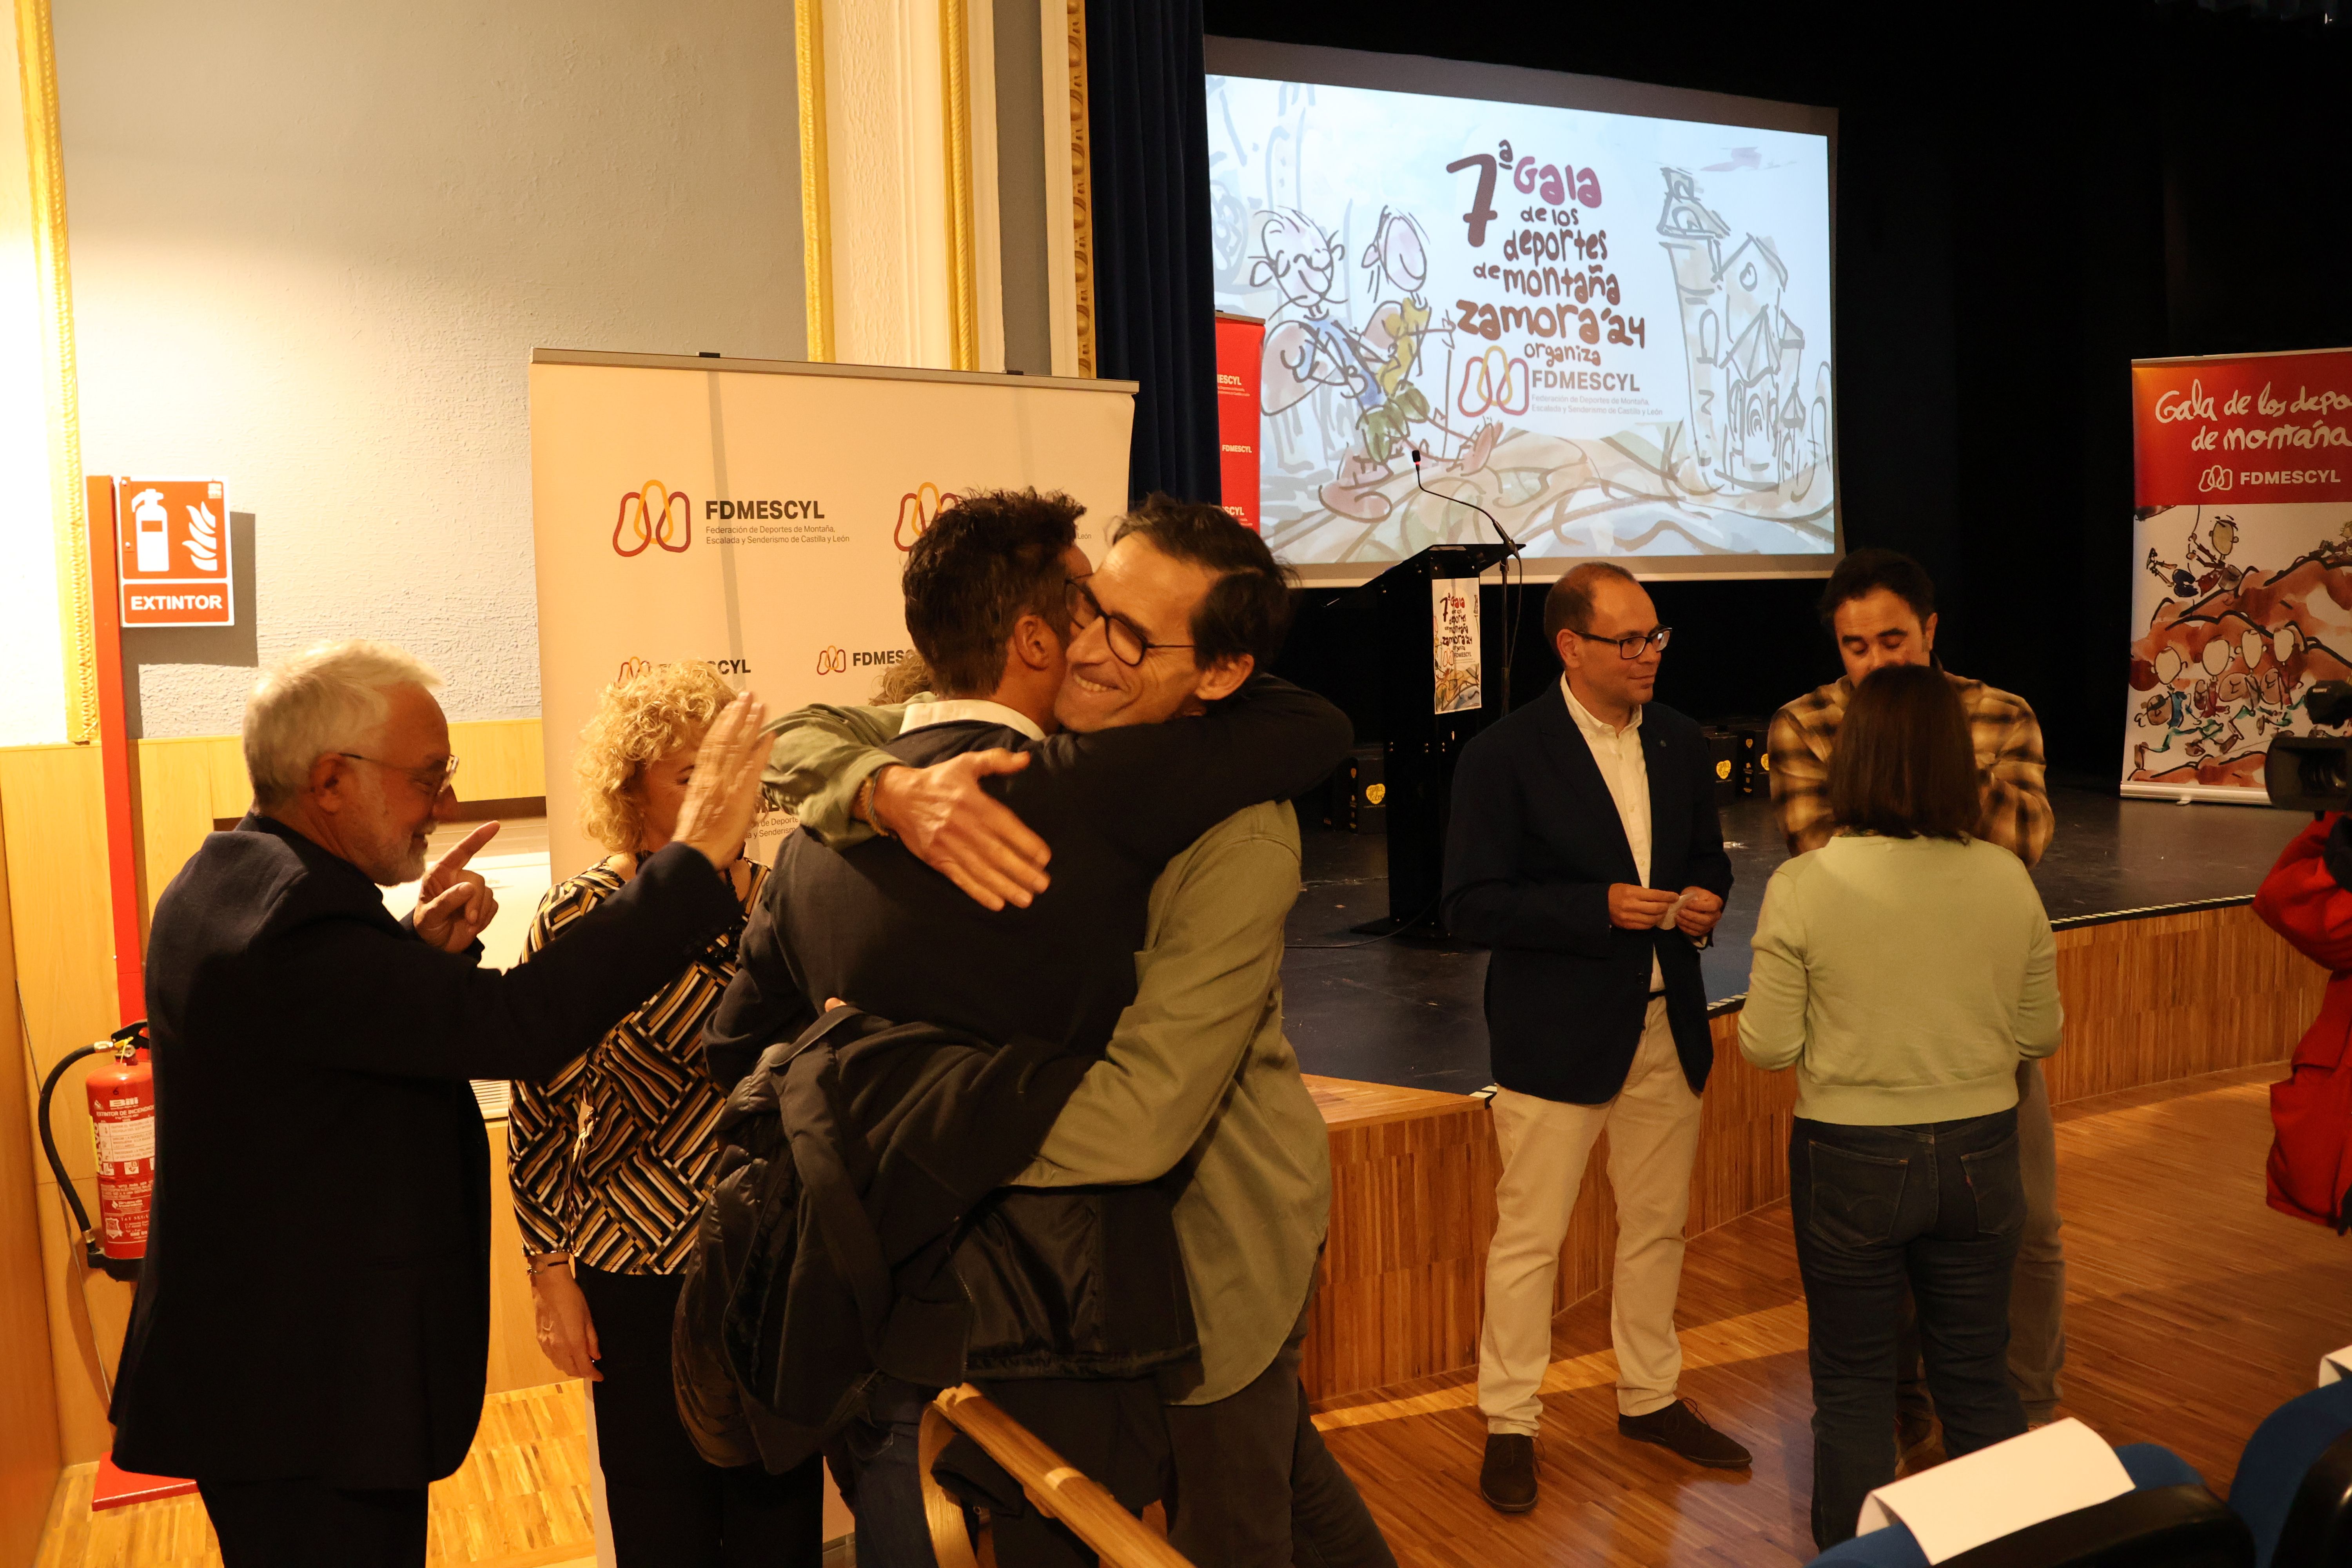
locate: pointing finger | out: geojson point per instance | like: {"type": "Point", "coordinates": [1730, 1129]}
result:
{"type": "Point", "coordinates": [456, 859]}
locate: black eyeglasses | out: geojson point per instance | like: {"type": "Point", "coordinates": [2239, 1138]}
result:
{"type": "Point", "coordinates": [1126, 638]}
{"type": "Point", "coordinates": [431, 778]}
{"type": "Point", "coordinates": [1631, 645]}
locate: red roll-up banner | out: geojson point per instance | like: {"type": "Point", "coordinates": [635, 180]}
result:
{"type": "Point", "coordinates": [2241, 564]}
{"type": "Point", "coordinates": [1241, 349]}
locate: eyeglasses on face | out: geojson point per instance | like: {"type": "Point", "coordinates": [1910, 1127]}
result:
{"type": "Point", "coordinates": [1631, 645]}
{"type": "Point", "coordinates": [430, 780]}
{"type": "Point", "coordinates": [1128, 643]}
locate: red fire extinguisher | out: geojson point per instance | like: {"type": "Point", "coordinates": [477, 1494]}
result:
{"type": "Point", "coordinates": [121, 1095]}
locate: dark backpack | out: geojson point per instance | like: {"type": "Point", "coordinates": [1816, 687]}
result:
{"type": "Point", "coordinates": [754, 1281]}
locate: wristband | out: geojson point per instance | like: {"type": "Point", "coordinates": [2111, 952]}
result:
{"type": "Point", "coordinates": [535, 1265]}
{"type": "Point", "coordinates": [865, 793]}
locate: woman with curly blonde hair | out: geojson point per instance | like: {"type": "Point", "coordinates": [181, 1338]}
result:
{"type": "Point", "coordinates": [611, 1158]}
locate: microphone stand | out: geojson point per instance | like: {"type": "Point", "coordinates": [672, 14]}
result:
{"type": "Point", "coordinates": [1515, 549]}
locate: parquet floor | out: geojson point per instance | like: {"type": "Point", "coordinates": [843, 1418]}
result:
{"type": "Point", "coordinates": [521, 1500]}
{"type": "Point", "coordinates": [2193, 1311]}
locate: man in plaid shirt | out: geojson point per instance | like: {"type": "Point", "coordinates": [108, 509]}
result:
{"type": "Point", "coordinates": [1881, 606]}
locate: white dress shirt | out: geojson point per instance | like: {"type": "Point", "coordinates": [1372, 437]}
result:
{"type": "Point", "coordinates": [976, 709]}
{"type": "Point", "coordinates": [1618, 754]}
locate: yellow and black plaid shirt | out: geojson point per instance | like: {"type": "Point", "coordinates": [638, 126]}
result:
{"type": "Point", "coordinates": [2009, 766]}
{"type": "Point", "coordinates": [611, 1158]}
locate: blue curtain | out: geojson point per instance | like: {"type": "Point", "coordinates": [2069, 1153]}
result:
{"type": "Point", "coordinates": [1155, 304]}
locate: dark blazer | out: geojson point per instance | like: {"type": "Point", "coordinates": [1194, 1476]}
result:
{"type": "Point", "coordinates": [877, 927]}
{"type": "Point", "coordinates": [1534, 842]}
{"type": "Point", "coordinates": [315, 1300]}
{"type": "Point", "coordinates": [880, 930]}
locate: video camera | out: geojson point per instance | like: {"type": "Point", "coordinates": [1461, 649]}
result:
{"type": "Point", "coordinates": [2314, 772]}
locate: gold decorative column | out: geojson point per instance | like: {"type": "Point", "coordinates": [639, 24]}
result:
{"type": "Point", "coordinates": [963, 262]}
{"type": "Point", "coordinates": [45, 154]}
{"type": "Point", "coordinates": [1082, 201]}
{"type": "Point", "coordinates": [816, 194]}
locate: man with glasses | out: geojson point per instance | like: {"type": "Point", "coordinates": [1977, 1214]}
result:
{"type": "Point", "coordinates": [1881, 607]}
{"type": "Point", "coordinates": [1583, 851]}
{"type": "Point", "coordinates": [310, 1334]}
{"type": "Point", "coordinates": [1170, 757]}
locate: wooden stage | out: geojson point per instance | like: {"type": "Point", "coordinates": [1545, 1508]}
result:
{"type": "Point", "coordinates": [2192, 1309]}
{"type": "Point", "coordinates": [2148, 1000]}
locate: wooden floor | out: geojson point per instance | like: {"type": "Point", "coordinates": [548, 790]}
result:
{"type": "Point", "coordinates": [520, 1501]}
{"type": "Point", "coordinates": [2192, 1311]}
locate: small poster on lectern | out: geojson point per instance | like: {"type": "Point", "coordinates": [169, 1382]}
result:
{"type": "Point", "coordinates": [1453, 642]}
{"type": "Point", "coordinates": [2242, 552]}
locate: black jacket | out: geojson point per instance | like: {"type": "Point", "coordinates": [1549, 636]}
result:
{"type": "Point", "coordinates": [880, 930]}
{"type": "Point", "coordinates": [794, 1293]}
{"type": "Point", "coordinates": [315, 1300]}
{"type": "Point", "coordinates": [1534, 842]}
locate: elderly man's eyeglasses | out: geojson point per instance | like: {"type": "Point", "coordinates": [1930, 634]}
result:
{"type": "Point", "coordinates": [1631, 645]}
{"type": "Point", "coordinates": [430, 780]}
{"type": "Point", "coordinates": [1126, 638]}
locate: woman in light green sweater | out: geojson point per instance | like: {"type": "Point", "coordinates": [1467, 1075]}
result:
{"type": "Point", "coordinates": [1903, 969]}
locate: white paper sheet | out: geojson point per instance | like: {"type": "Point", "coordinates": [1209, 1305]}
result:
{"type": "Point", "coordinates": [2335, 1366]}
{"type": "Point", "coordinates": [1963, 1503]}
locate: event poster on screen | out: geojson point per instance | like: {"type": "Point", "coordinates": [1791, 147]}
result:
{"type": "Point", "coordinates": [1610, 331]}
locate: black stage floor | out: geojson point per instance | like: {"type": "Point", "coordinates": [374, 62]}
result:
{"type": "Point", "coordinates": [1406, 1011]}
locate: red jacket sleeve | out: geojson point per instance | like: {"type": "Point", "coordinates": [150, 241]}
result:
{"type": "Point", "coordinates": [2300, 901]}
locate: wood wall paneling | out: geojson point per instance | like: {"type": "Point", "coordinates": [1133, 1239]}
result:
{"type": "Point", "coordinates": [187, 784]}
{"type": "Point", "coordinates": [30, 1454]}
{"type": "Point", "coordinates": [516, 1361]}
{"type": "Point", "coordinates": [53, 819]}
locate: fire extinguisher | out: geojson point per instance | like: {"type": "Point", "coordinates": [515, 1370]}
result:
{"type": "Point", "coordinates": [121, 1095]}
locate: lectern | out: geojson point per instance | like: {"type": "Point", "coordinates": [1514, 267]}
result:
{"type": "Point", "coordinates": [1441, 672]}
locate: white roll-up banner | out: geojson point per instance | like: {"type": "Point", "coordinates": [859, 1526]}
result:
{"type": "Point", "coordinates": [756, 514]}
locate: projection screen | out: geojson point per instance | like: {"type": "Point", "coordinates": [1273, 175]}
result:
{"type": "Point", "coordinates": [1600, 311]}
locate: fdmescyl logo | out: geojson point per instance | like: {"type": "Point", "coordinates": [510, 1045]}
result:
{"type": "Point", "coordinates": [652, 513]}
{"type": "Point", "coordinates": [637, 665]}
{"type": "Point", "coordinates": [838, 660]}
{"type": "Point", "coordinates": [917, 510]}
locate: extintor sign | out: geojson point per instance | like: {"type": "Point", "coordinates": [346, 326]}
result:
{"type": "Point", "coordinates": [172, 538]}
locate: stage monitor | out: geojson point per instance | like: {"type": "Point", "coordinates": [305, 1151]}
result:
{"type": "Point", "coordinates": [1601, 310]}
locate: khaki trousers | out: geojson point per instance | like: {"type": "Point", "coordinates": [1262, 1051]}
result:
{"type": "Point", "coordinates": [1652, 1126]}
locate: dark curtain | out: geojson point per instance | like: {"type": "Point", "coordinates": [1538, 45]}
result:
{"type": "Point", "coordinates": [1147, 121]}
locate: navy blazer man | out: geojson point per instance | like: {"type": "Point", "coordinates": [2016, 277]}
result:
{"type": "Point", "coordinates": [1583, 852]}
{"type": "Point", "coordinates": [1534, 844]}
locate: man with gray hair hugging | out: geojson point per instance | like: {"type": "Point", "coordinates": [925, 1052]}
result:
{"type": "Point", "coordinates": [312, 1330]}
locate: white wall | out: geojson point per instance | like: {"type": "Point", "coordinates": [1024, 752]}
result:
{"type": "Point", "coordinates": [315, 241]}
{"type": "Point", "coordinates": [33, 700]}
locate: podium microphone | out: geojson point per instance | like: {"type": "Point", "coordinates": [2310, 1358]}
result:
{"type": "Point", "coordinates": [1513, 550]}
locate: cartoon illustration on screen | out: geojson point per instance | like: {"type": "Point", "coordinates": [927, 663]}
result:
{"type": "Point", "coordinates": [1309, 348]}
{"type": "Point", "coordinates": [1750, 423]}
{"type": "Point", "coordinates": [2229, 651]}
{"type": "Point", "coordinates": [1604, 374]}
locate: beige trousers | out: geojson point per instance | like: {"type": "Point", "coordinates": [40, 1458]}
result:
{"type": "Point", "coordinates": [1652, 1127]}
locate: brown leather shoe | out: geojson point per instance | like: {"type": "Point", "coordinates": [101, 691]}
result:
{"type": "Point", "coordinates": [1679, 1428]}
{"type": "Point", "coordinates": [1507, 1479]}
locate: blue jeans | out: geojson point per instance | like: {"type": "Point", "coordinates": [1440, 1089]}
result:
{"type": "Point", "coordinates": [1940, 1206]}
{"type": "Point", "coordinates": [884, 1448]}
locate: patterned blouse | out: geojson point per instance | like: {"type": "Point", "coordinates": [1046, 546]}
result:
{"type": "Point", "coordinates": [609, 1160]}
